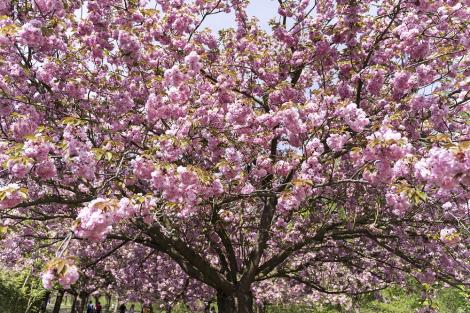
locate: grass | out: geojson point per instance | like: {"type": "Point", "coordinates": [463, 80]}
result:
{"type": "Point", "coordinates": [394, 300]}
{"type": "Point", "coordinates": [66, 305]}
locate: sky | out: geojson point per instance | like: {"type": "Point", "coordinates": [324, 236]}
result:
{"type": "Point", "coordinates": [263, 10]}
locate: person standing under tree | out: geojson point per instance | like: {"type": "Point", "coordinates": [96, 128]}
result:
{"type": "Point", "coordinates": [145, 309]}
{"type": "Point", "coordinates": [131, 309]}
{"type": "Point", "coordinates": [90, 308]}
{"type": "Point", "coordinates": [98, 307]}
{"type": "Point", "coordinates": [122, 308]}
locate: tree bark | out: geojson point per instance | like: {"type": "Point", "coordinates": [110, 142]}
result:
{"type": "Point", "coordinates": [74, 303]}
{"type": "Point", "coordinates": [82, 297]}
{"type": "Point", "coordinates": [260, 308]}
{"type": "Point", "coordinates": [45, 300]}
{"type": "Point", "coordinates": [117, 304]}
{"type": "Point", "coordinates": [241, 302]}
{"type": "Point", "coordinates": [97, 299]}
{"type": "Point", "coordinates": [225, 303]}
{"type": "Point", "coordinates": [58, 301]}
{"type": "Point", "coordinates": [108, 303]}
{"type": "Point", "coordinates": [207, 308]}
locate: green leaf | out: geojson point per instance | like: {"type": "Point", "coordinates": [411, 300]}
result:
{"type": "Point", "coordinates": [109, 156]}
{"type": "Point", "coordinates": [70, 120]}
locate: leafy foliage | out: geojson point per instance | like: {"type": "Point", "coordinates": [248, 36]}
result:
{"type": "Point", "coordinates": [20, 292]}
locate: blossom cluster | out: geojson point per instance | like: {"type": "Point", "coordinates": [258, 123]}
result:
{"type": "Point", "coordinates": [97, 218]}
{"type": "Point", "coordinates": [62, 271]}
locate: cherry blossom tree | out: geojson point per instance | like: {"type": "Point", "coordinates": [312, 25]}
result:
{"type": "Point", "coordinates": [329, 154]}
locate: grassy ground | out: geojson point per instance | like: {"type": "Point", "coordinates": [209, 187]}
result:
{"type": "Point", "coordinates": [67, 305]}
{"type": "Point", "coordinates": [394, 301]}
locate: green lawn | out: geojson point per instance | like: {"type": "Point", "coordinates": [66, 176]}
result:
{"type": "Point", "coordinates": [394, 301]}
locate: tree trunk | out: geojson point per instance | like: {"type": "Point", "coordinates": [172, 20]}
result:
{"type": "Point", "coordinates": [58, 301]}
{"type": "Point", "coordinates": [241, 302]}
{"type": "Point", "coordinates": [108, 303]}
{"type": "Point", "coordinates": [207, 308]}
{"type": "Point", "coordinates": [80, 306]}
{"type": "Point", "coordinates": [74, 303]}
{"type": "Point", "coordinates": [45, 301]}
{"type": "Point", "coordinates": [117, 304]}
{"type": "Point", "coordinates": [261, 308]}
{"type": "Point", "coordinates": [97, 299]}
{"type": "Point", "coordinates": [225, 303]}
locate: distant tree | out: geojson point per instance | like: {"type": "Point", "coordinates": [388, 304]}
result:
{"type": "Point", "coordinates": [20, 292]}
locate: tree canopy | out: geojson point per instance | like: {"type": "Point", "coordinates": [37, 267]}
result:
{"type": "Point", "coordinates": [329, 154]}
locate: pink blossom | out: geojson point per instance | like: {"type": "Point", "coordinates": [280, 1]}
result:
{"type": "Point", "coordinates": [31, 34]}
{"type": "Point", "coordinates": [174, 77]}
{"type": "Point", "coordinates": [83, 165]}
{"type": "Point", "coordinates": [449, 235]}
{"type": "Point", "coordinates": [354, 117]}
{"type": "Point", "coordinates": [128, 43]}
{"type": "Point", "coordinates": [125, 209]}
{"type": "Point", "coordinates": [143, 168]}
{"type": "Point", "coordinates": [69, 277]}
{"type": "Point", "coordinates": [22, 128]}
{"type": "Point", "coordinates": [375, 83]}
{"type": "Point", "coordinates": [12, 195]}
{"type": "Point", "coordinates": [46, 169]}
{"type": "Point", "coordinates": [151, 106]}
{"type": "Point", "coordinates": [48, 278]}
{"type": "Point", "coordinates": [387, 144]}
{"type": "Point", "coordinates": [293, 122]}
{"type": "Point", "coordinates": [282, 168]}
{"type": "Point", "coordinates": [193, 62]}
{"type": "Point", "coordinates": [401, 84]}
{"type": "Point", "coordinates": [5, 7]}
{"type": "Point", "coordinates": [440, 167]}
{"type": "Point", "coordinates": [48, 6]}
{"type": "Point", "coordinates": [427, 276]}
{"type": "Point", "coordinates": [425, 73]}
{"type": "Point", "coordinates": [399, 202]}
{"type": "Point", "coordinates": [337, 141]}
{"type": "Point", "coordinates": [37, 150]}
{"type": "Point", "coordinates": [247, 189]}
{"type": "Point", "coordinates": [19, 168]}
{"type": "Point", "coordinates": [96, 219]}
{"type": "Point", "coordinates": [314, 146]}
